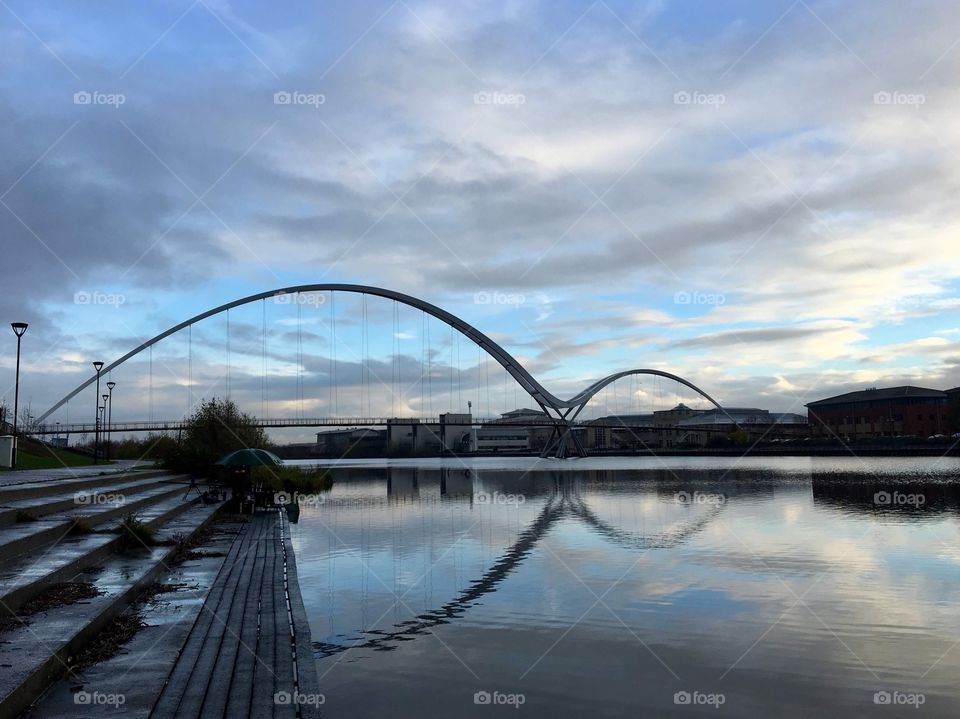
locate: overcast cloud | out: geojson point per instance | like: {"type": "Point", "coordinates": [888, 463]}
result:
{"type": "Point", "coordinates": [760, 196]}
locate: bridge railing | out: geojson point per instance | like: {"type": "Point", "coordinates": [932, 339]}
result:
{"type": "Point", "coordinates": [169, 425]}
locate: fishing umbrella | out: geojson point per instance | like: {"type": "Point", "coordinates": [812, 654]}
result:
{"type": "Point", "coordinates": [250, 458]}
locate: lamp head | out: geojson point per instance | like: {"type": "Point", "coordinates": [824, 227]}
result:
{"type": "Point", "coordinates": [105, 398]}
{"type": "Point", "coordinates": [19, 328]}
{"type": "Point", "coordinates": [98, 366]}
{"type": "Point", "coordinates": [111, 385]}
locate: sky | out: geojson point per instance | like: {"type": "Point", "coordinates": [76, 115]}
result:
{"type": "Point", "coordinates": [757, 196]}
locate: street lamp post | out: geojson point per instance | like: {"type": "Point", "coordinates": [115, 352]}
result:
{"type": "Point", "coordinates": [110, 386]}
{"type": "Point", "coordinates": [104, 428]}
{"type": "Point", "coordinates": [96, 416]}
{"type": "Point", "coordinates": [100, 413]}
{"type": "Point", "coordinates": [18, 329]}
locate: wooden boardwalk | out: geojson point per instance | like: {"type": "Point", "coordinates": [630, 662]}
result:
{"type": "Point", "coordinates": [249, 652]}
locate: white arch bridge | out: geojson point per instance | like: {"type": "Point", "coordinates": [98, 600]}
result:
{"type": "Point", "coordinates": [560, 413]}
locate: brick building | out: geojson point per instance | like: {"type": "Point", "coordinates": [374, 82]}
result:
{"type": "Point", "coordinates": [888, 412]}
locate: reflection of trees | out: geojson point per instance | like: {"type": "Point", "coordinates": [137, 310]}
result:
{"type": "Point", "coordinates": [855, 493]}
{"type": "Point", "coordinates": [564, 502]}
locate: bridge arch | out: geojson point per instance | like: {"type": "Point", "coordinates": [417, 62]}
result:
{"type": "Point", "coordinates": [563, 410]}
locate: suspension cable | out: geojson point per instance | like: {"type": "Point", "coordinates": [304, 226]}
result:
{"type": "Point", "coordinates": [459, 376]}
{"type": "Point", "coordinates": [332, 352]}
{"type": "Point", "coordinates": [426, 320]}
{"type": "Point", "coordinates": [263, 358]}
{"type": "Point", "coordinates": [365, 377]}
{"type": "Point", "coordinates": [450, 396]}
{"type": "Point", "coordinates": [394, 370]}
{"type": "Point", "coordinates": [227, 374]}
{"type": "Point", "coordinates": [336, 386]}
{"type": "Point", "coordinates": [189, 368]}
{"type": "Point", "coordinates": [299, 357]}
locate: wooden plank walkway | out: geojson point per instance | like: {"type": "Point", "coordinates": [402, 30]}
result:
{"type": "Point", "coordinates": [249, 652]}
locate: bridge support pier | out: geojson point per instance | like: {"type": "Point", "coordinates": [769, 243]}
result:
{"type": "Point", "coordinates": [557, 445]}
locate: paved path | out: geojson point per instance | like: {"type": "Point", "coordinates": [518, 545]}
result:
{"type": "Point", "coordinates": [249, 652]}
{"type": "Point", "coordinates": [18, 476]}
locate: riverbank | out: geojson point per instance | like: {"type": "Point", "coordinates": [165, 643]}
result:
{"type": "Point", "coordinates": [927, 449]}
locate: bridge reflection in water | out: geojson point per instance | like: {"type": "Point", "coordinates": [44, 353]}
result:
{"type": "Point", "coordinates": [612, 586]}
{"type": "Point", "coordinates": [561, 498]}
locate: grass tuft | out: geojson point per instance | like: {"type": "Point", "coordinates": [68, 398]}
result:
{"type": "Point", "coordinates": [135, 533]}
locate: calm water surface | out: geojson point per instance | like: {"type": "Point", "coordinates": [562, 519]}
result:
{"type": "Point", "coordinates": [625, 586]}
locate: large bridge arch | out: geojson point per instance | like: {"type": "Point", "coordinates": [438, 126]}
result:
{"type": "Point", "coordinates": [561, 411]}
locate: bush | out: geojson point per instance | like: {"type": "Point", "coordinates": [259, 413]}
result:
{"type": "Point", "coordinates": [80, 527]}
{"type": "Point", "coordinates": [134, 533]}
{"type": "Point", "coordinates": [216, 428]}
{"type": "Point", "coordinates": [154, 446]}
{"type": "Point", "coordinates": [292, 479]}
{"type": "Point", "coordinates": [739, 437]}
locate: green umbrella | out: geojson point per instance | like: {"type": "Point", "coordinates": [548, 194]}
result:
{"type": "Point", "coordinates": [250, 458]}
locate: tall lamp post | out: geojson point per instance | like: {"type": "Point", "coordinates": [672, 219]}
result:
{"type": "Point", "coordinates": [18, 329]}
{"type": "Point", "coordinates": [110, 386]}
{"type": "Point", "coordinates": [103, 427]}
{"type": "Point", "coordinates": [96, 415]}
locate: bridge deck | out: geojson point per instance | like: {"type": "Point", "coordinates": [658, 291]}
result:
{"type": "Point", "coordinates": [248, 653]}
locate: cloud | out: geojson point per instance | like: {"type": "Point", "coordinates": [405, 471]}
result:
{"type": "Point", "coordinates": [823, 217]}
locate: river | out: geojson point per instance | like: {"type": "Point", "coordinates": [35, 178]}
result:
{"type": "Point", "coordinates": [627, 587]}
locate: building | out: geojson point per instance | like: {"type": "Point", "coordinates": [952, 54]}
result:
{"type": "Point", "coordinates": [453, 432]}
{"type": "Point", "coordinates": [514, 431]}
{"type": "Point", "coordinates": [953, 409]}
{"type": "Point", "coordinates": [887, 412]}
{"type": "Point", "coordinates": [654, 430]}
{"type": "Point", "coordinates": [672, 417]}
{"type": "Point", "coordinates": [758, 423]}
{"type": "Point", "coordinates": [359, 440]}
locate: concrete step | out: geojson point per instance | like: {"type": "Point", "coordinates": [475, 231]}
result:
{"type": "Point", "coordinates": [35, 655]}
{"type": "Point", "coordinates": [65, 500]}
{"type": "Point", "coordinates": [138, 672]}
{"type": "Point", "coordinates": [26, 537]}
{"type": "Point", "coordinates": [22, 476]}
{"type": "Point", "coordinates": [27, 487]}
{"type": "Point", "coordinates": [25, 577]}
